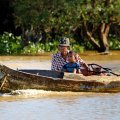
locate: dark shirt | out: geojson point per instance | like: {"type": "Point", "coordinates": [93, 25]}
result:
{"type": "Point", "coordinates": [70, 67]}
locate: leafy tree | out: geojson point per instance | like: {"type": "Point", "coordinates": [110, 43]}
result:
{"type": "Point", "coordinates": [63, 17]}
{"type": "Point", "coordinates": [97, 19]}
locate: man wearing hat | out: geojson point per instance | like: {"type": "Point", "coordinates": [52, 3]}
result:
{"type": "Point", "coordinates": [60, 58]}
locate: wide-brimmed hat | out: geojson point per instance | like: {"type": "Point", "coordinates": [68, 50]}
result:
{"type": "Point", "coordinates": [64, 42]}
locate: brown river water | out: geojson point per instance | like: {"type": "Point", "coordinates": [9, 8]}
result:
{"type": "Point", "coordinates": [48, 105]}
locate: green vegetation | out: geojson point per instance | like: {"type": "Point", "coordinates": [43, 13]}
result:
{"type": "Point", "coordinates": [90, 24]}
{"type": "Point", "coordinates": [12, 45]}
{"type": "Point", "coordinates": [9, 44]}
{"type": "Point", "coordinates": [114, 42]}
{"type": "Point", "coordinates": [36, 48]}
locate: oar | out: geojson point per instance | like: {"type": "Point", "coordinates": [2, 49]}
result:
{"type": "Point", "coordinates": [108, 70]}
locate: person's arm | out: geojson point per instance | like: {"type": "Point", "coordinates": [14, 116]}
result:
{"type": "Point", "coordinates": [78, 71]}
{"type": "Point", "coordinates": [78, 68]}
{"type": "Point", "coordinates": [82, 62]}
{"type": "Point", "coordinates": [74, 70]}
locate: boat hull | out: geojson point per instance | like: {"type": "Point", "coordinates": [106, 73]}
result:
{"type": "Point", "coordinates": [56, 81]}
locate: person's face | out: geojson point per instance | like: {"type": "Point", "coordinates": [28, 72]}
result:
{"type": "Point", "coordinates": [71, 58]}
{"type": "Point", "coordinates": [63, 50]}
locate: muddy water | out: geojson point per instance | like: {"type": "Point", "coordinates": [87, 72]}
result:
{"type": "Point", "coordinates": [48, 105]}
{"type": "Point", "coordinates": [60, 106]}
{"type": "Point", "coordinates": [43, 61]}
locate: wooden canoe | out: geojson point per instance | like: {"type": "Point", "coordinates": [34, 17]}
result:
{"type": "Point", "coordinates": [55, 81]}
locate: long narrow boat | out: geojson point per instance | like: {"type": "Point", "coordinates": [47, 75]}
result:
{"type": "Point", "coordinates": [55, 81]}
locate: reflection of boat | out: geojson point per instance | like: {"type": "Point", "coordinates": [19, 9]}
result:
{"type": "Point", "coordinates": [56, 81]}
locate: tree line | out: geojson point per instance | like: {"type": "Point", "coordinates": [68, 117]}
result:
{"type": "Point", "coordinates": [89, 23]}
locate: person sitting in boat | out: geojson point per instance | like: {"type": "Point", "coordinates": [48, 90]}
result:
{"type": "Point", "coordinates": [60, 58]}
{"type": "Point", "coordinates": [71, 66]}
